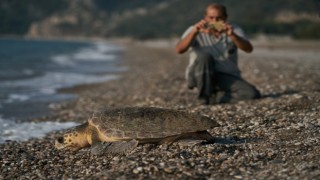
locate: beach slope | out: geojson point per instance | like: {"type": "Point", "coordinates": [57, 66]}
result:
{"type": "Point", "coordinates": [277, 136]}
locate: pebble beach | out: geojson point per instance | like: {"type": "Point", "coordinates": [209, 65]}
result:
{"type": "Point", "coordinates": [275, 137]}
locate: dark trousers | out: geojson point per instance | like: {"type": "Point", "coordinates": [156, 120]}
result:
{"type": "Point", "coordinates": [215, 86]}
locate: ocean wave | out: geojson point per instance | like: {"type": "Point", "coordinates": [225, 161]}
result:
{"type": "Point", "coordinates": [48, 84]}
{"type": "Point", "coordinates": [17, 97]}
{"type": "Point", "coordinates": [10, 130]}
{"type": "Point", "coordinates": [30, 79]}
{"type": "Point", "coordinates": [98, 52]}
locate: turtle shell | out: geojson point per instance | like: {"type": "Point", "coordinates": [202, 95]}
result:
{"type": "Point", "coordinates": [148, 122]}
{"type": "Point", "coordinates": [219, 25]}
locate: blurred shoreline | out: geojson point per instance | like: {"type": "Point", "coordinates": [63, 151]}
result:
{"type": "Point", "coordinates": [269, 44]}
{"type": "Point", "coordinates": [282, 44]}
{"type": "Point", "coordinates": [258, 39]}
{"type": "Point", "coordinates": [32, 72]}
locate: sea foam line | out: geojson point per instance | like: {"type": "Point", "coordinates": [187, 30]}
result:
{"type": "Point", "coordinates": [10, 130]}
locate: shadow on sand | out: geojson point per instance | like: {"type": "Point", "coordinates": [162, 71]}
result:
{"type": "Point", "coordinates": [277, 95]}
{"type": "Point", "coordinates": [231, 140]}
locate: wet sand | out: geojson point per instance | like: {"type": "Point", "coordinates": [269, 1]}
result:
{"type": "Point", "coordinates": [276, 137]}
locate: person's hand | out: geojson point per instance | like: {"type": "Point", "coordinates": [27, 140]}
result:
{"type": "Point", "coordinates": [201, 27]}
{"type": "Point", "coordinates": [228, 29]}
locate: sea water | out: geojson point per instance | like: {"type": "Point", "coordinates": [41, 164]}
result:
{"type": "Point", "coordinates": [31, 72]}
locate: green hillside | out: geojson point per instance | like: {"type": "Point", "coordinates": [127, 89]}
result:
{"type": "Point", "coordinates": [17, 15]}
{"type": "Point", "coordinates": [254, 16]}
{"type": "Point", "coordinates": [162, 18]}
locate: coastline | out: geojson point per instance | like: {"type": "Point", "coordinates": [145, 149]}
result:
{"type": "Point", "coordinates": [34, 71]}
{"type": "Point", "coordinates": [280, 131]}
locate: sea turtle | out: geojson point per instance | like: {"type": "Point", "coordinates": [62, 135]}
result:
{"type": "Point", "coordinates": [216, 26]}
{"type": "Point", "coordinates": [117, 130]}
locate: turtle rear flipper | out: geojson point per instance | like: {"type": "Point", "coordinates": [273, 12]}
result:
{"type": "Point", "coordinates": [190, 138]}
{"type": "Point", "coordinates": [118, 147]}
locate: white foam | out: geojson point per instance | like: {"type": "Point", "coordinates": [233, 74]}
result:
{"type": "Point", "coordinates": [10, 130]}
{"type": "Point", "coordinates": [28, 71]}
{"type": "Point", "coordinates": [17, 97]}
{"type": "Point", "coordinates": [64, 60]}
{"type": "Point", "coordinates": [92, 55]}
{"type": "Point", "coordinates": [49, 83]}
{"type": "Point", "coordinates": [99, 52]}
{"type": "Point", "coordinates": [47, 91]}
{"type": "Point", "coordinates": [105, 47]}
{"type": "Point", "coordinates": [55, 80]}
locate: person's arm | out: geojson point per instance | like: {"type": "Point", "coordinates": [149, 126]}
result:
{"type": "Point", "coordinates": [240, 42]}
{"type": "Point", "coordinates": [184, 44]}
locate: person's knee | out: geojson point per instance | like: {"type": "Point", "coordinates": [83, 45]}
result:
{"type": "Point", "coordinates": [205, 59]}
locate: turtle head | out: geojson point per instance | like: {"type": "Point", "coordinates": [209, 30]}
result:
{"type": "Point", "coordinates": [73, 139]}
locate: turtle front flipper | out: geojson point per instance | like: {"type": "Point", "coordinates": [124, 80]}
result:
{"type": "Point", "coordinates": [98, 148]}
{"type": "Point", "coordinates": [118, 147]}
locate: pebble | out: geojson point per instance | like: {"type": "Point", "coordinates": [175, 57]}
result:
{"type": "Point", "coordinates": [276, 137]}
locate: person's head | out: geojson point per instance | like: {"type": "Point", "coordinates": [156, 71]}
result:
{"type": "Point", "coordinates": [215, 12]}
